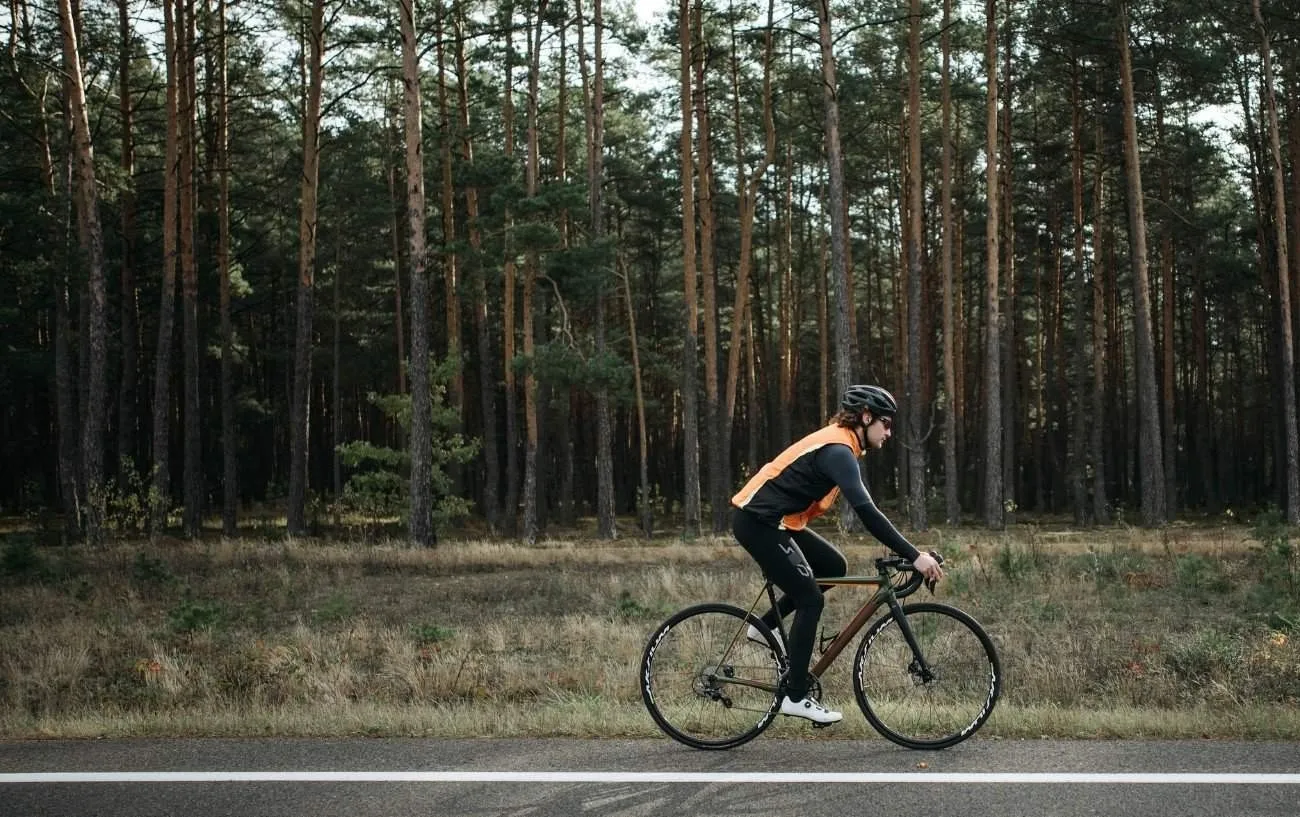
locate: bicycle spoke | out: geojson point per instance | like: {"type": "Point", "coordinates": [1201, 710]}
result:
{"type": "Point", "coordinates": [704, 683]}
{"type": "Point", "coordinates": [934, 699]}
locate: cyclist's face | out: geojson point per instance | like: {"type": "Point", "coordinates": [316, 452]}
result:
{"type": "Point", "coordinates": [879, 430]}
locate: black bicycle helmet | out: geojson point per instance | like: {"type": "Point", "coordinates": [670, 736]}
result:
{"type": "Point", "coordinates": [869, 398]}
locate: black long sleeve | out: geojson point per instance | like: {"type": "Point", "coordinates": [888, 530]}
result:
{"type": "Point", "coordinates": [839, 463]}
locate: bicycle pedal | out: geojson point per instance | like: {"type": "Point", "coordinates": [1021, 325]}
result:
{"type": "Point", "coordinates": [816, 725]}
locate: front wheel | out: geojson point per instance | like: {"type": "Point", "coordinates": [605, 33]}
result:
{"type": "Point", "coordinates": [706, 684]}
{"type": "Point", "coordinates": [936, 696]}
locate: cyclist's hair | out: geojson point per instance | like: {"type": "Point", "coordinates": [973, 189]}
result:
{"type": "Point", "coordinates": [844, 418]}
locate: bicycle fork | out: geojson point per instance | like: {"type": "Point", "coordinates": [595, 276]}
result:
{"type": "Point", "coordinates": [919, 666]}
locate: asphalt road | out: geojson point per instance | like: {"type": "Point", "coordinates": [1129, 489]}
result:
{"type": "Point", "coordinates": [562, 778]}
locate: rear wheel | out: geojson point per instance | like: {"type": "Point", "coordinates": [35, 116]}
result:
{"type": "Point", "coordinates": [933, 699]}
{"type": "Point", "coordinates": [705, 683]}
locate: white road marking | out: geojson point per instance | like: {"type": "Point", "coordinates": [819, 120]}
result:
{"type": "Point", "coordinates": [1132, 778]}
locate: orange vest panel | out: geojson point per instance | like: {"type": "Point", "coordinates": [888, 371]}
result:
{"type": "Point", "coordinates": [799, 519]}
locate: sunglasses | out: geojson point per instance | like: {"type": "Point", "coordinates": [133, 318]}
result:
{"type": "Point", "coordinates": [887, 422]}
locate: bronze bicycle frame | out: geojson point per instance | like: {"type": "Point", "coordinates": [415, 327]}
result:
{"type": "Point", "coordinates": [855, 625]}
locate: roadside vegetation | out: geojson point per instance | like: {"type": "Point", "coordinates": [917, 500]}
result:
{"type": "Point", "coordinates": [1183, 632]}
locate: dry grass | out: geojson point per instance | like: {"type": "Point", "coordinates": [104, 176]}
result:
{"type": "Point", "coordinates": [1122, 633]}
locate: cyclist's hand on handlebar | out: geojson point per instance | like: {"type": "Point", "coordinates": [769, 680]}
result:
{"type": "Point", "coordinates": [928, 565]}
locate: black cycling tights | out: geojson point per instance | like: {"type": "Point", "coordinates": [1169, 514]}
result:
{"type": "Point", "coordinates": [790, 559]}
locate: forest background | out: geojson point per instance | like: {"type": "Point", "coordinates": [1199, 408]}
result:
{"type": "Point", "coordinates": [520, 264]}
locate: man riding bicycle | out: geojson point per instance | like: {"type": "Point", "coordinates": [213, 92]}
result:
{"type": "Point", "coordinates": [802, 483]}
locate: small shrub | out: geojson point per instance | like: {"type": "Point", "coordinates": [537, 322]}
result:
{"type": "Point", "coordinates": [425, 634]}
{"type": "Point", "coordinates": [1014, 564]}
{"type": "Point", "coordinates": [629, 608]}
{"type": "Point", "coordinates": [1197, 574]}
{"type": "Point", "coordinates": [191, 616]}
{"type": "Point", "coordinates": [1206, 656]}
{"type": "Point", "coordinates": [128, 501]}
{"type": "Point", "coordinates": [151, 570]}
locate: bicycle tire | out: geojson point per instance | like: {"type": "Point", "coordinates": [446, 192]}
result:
{"type": "Point", "coordinates": [927, 712]}
{"type": "Point", "coordinates": [704, 683]}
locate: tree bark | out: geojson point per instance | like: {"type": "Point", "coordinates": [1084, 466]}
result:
{"type": "Point", "coordinates": [719, 472]}
{"type": "Point", "coordinates": [916, 437]}
{"type": "Point", "coordinates": [508, 287]}
{"type": "Point", "coordinates": [1292, 436]}
{"type": "Point", "coordinates": [300, 411]}
{"type": "Point", "coordinates": [645, 510]}
{"type": "Point", "coordinates": [747, 187]}
{"type": "Point", "coordinates": [420, 524]}
{"type": "Point", "coordinates": [606, 522]}
{"type": "Point", "coordinates": [1076, 445]}
{"type": "Point", "coordinates": [993, 493]}
{"type": "Point", "coordinates": [450, 258]}
{"type": "Point", "coordinates": [187, 108]}
{"type": "Point", "coordinates": [482, 320]}
{"type": "Point", "coordinates": [91, 249]}
{"type": "Point", "coordinates": [690, 350]}
{"type": "Point", "coordinates": [161, 489]}
{"type": "Point", "coordinates": [1149, 441]}
{"type": "Point", "coordinates": [127, 412]}
{"type": "Point", "coordinates": [532, 263]}
{"type": "Point", "coordinates": [229, 430]}
{"type": "Point", "coordinates": [951, 495]}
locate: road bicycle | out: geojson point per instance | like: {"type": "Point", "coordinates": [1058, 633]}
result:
{"type": "Point", "coordinates": [926, 675]}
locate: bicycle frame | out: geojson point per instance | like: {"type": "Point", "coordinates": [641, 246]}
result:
{"type": "Point", "coordinates": [884, 596]}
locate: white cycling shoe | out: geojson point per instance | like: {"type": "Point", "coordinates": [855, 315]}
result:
{"type": "Point", "coordinates": [809, 709]}
{"type": "Point", "coordinates": [754, 635]}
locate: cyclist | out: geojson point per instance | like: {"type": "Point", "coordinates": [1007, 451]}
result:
{"type": "Point", "coordinates": [773, 511]}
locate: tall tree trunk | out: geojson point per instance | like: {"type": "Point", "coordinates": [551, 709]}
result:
{"type": "Point", "coordinates": [90, 239]}
{"type": "Point", "coordinates": [1292, 436]}
{"type": "Point", "coordinates": [192, 470]}
{"type": "Point", "coordinates": [951, 496]}
{"type": "Point", "coordinates": [1149, 442]}
{"type": "Point", "coordinates": [916, 489]}
{"type": "Point", "coordinates": [606, 523]}
{"type": "Point", "coordinates": [482, 320]}
{"type": "Point", "coordinates": [1076, 448]}
{"type": "Point", "coordinates": [785, 300]}
{"type": "Point", "coordinates": [450, 258]}
{"type": "Point", "coordinates": [747, 187]}
{"type": "Point", "coordinates": [841, 297]}
{"type": "Point", "coordinates": [420, 525]}
{"type": "Point", "coordinates": [532, 264]}
{"type": "Point", "coordinates": [336, 390]}
{"type": "Point", "coordinates": [1168, 381]}
{"type": "Point", "coordinates": [399, 263]}
{"type": "Point", "coordinates": [719, 472]}
{"type": "Point", "coordinates": [127, 423]}
{"type": "Point", "coordinates": [300, 411]}
{"type": "Point", "coordinates": [644, 507]}
{"type": "Point", "coordinates": [161, 490]}
{"type": "Point", "coordinates": [690, 349]}
{"type": "Point", "coordinates": [1009, 316]}
{"type": "Point", "coordinates": [229, 432]}
{"type": "Point", "coordinates": [1096, 449]}
{"type": "Point", "coordinates": [508, 296]}
{"type": "Point", "coordinates": [993, 494]}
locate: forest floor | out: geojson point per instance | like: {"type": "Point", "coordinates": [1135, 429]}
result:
{"type": "Point", "coordinates": [1187, 631]}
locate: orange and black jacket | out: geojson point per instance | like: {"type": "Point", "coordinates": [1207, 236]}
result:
{"type": "Point", "coordinates": [804, 481]}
